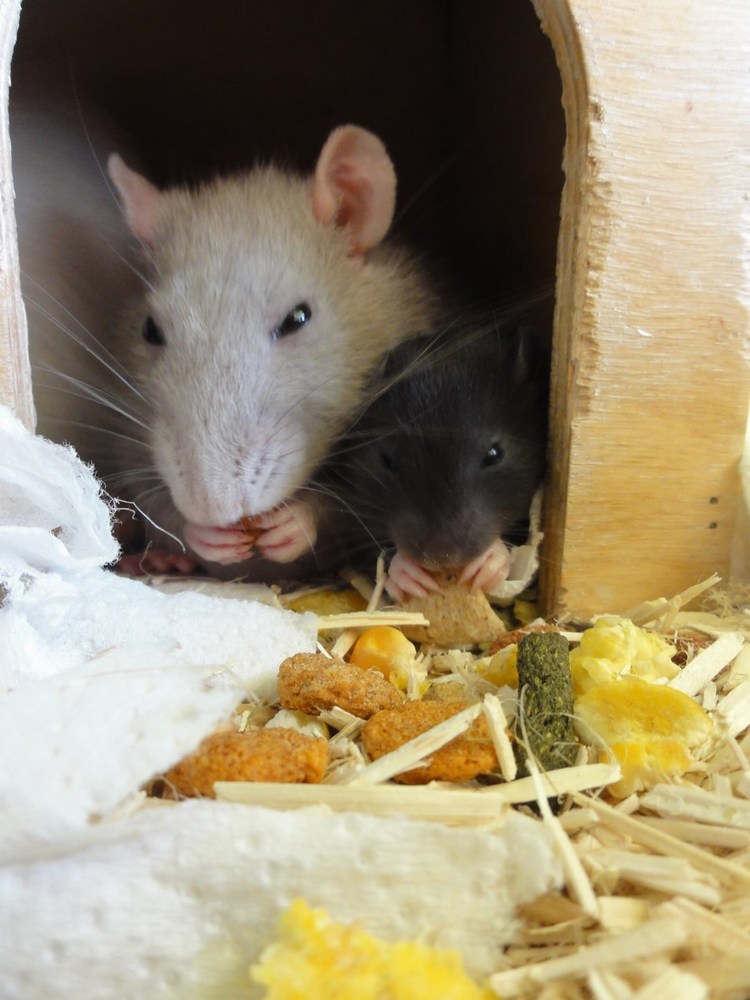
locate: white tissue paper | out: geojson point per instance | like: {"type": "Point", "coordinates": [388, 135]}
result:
{"type": "Point", "coordinates": [105, 682]}
{"type": "Point", "coordinates": [524, 559]}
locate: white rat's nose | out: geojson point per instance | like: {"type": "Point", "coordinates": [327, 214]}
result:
{"type": "Point", "coordinates": [219, 485]}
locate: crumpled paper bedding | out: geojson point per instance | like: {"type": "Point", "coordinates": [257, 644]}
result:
{"type": "Point", "coordinates": [178, 901]}
{"type": "Point", "coordinates": [105, 682]}
{"type": "Point", "coordinates": [524, 559]}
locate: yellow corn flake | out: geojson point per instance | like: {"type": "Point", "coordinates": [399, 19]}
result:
{"type": "Point", "coordinates": [329, 602]}
{"type": "Point", "coordinates": [525, 611]}
{"type": "Point", "coordinates": [614, 647]}
{"type": "Point", "coordinates": [645, 764]}
{"type": "Point", "coordinates": [649, 729]}
{"type": "Point", "coordinates": [385, 648]}
{"type": "Point", "coordinates": [319, 959]}
{"type": "Point", "coordinates": [501, 668]}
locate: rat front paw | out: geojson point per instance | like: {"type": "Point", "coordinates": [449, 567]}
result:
{"type": "Point", "coordinates": [219, 545]}
{"type": "Point", "coordinates": [154, 561]}
{"type": "Point", "coordinates": [407, 578]}
{"type": "Point", "coordinates": [489, 569]}
{"type": "Point", "coordinates": [287, 532]}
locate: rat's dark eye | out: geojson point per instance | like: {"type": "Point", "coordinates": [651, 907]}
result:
{"type": "Point", "coordinates": [293, 321]}
{"type": "Point", "coordinates": [494, 454]}
{"type": "Point", "coordinates": [153, 333]}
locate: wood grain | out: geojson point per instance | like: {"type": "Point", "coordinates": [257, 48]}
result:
{"type": "Point", "coordinates": [15, 372]}
{"type": "Point", "coordinates": [651, 369]}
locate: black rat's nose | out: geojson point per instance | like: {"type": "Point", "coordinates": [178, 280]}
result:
{"type": "Point", "coordinates": [437, 545]}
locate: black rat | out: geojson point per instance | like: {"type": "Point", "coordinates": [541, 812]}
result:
{"type": "Point", "coordinates": [444, 463]}
{"type": "Point", "coordinates": [266, 300]}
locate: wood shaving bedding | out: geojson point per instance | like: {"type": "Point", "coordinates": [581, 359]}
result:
{"type": "Point", "coordinates": [656, 901]}
{"type": "Point", "coordinates": [670, 868]}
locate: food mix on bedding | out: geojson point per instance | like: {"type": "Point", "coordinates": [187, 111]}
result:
{"type": "Point", "coordinates": [628, 736]}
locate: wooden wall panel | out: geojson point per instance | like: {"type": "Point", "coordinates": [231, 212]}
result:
{"type": "Point", "coordinates": [15, 372]}
{"type": "Point", "coordinates": [651, 373]}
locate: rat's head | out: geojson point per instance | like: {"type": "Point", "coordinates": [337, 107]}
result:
{"type": "Point", "coordinates": [450, 455]}
{"type": "Point", "coordinates": [248, 348]}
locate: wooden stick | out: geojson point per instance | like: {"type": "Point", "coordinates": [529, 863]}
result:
{"type": "Point", "coordinates": [451, 806]}
{"type": "Point", "coordinates": [664, 843]}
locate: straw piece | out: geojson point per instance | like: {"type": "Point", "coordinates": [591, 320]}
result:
{"type": "Point", "coordinates": [723, 837]}
{"type": "Point", "coordinates": [555, 784]}
{"type": "Point", "coordinates": [708, 926]}
{"type": "Point", "coordinates": [673, 983]}
{"type": "Point", "coordinates": [576, 878]}
{"type": "Point", "coordinates": [552, 909]}
{"type": "Point", "coordinates": [621, 913]}
{"type": "Point", "coordinates": [450, 806]}
{"type": "Point", "coordinates": [707, 664]}
{"type": "Point", "coordinates": [663, 843]}
{"type": "Point", "coordinates": [656, 935]}
{"type": "Point", "coordinates": [734, 709]}
{"type": "Point", "coordinates": [690, 802]}
{"type": "Point", "coordinates": [498, 724]}
{"type": "Point", "coordinates": [730, 977]}
{"type": "Point", "coordinates": [650, 612]}
{"type": "Point", "coordinates": [344, 642]}
{"type": "Point", "coordinates": [606, 985]}
{"type": "Point", "coordinates": [673, 876]}
{"type": "Point", "coordinates": [364, 619]}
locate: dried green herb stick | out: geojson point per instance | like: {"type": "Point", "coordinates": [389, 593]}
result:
{"type": "Point", "coordinates": [545, 689]}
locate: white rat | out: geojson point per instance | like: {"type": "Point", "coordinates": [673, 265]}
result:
{"type": "Point", "coordinates": [270, 300]}
{"type": "Point", "coordinates": [267, 300]}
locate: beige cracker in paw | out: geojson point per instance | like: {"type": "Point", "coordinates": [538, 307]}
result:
{"type": "Point", "coordinates": [457, 615]}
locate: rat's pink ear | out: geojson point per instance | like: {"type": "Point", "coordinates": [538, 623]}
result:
{"type": "Point", "coordinates": [354, 186]}
{"type": "Point", "coordinates": [141, 200]}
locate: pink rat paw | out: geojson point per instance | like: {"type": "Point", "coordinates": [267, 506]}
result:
{"type": "Point", "coordinates": [288, 532]}
{"type": "Point", "coordinates": [155, 561]}
{"type": "Point", "coordinates": [407, 578]}
{"type": "Point", "coordinates": [225, 546]}
{"type": "Point", "coordinates": [280, 535]}
{"type": "Point", "coordinates": [489, 569]}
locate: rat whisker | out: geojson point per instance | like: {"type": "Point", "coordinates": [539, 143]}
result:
{"type": "Point", "coordinates": [90, 344]}
{"type": "Point", "coordinates": [76, 387]}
